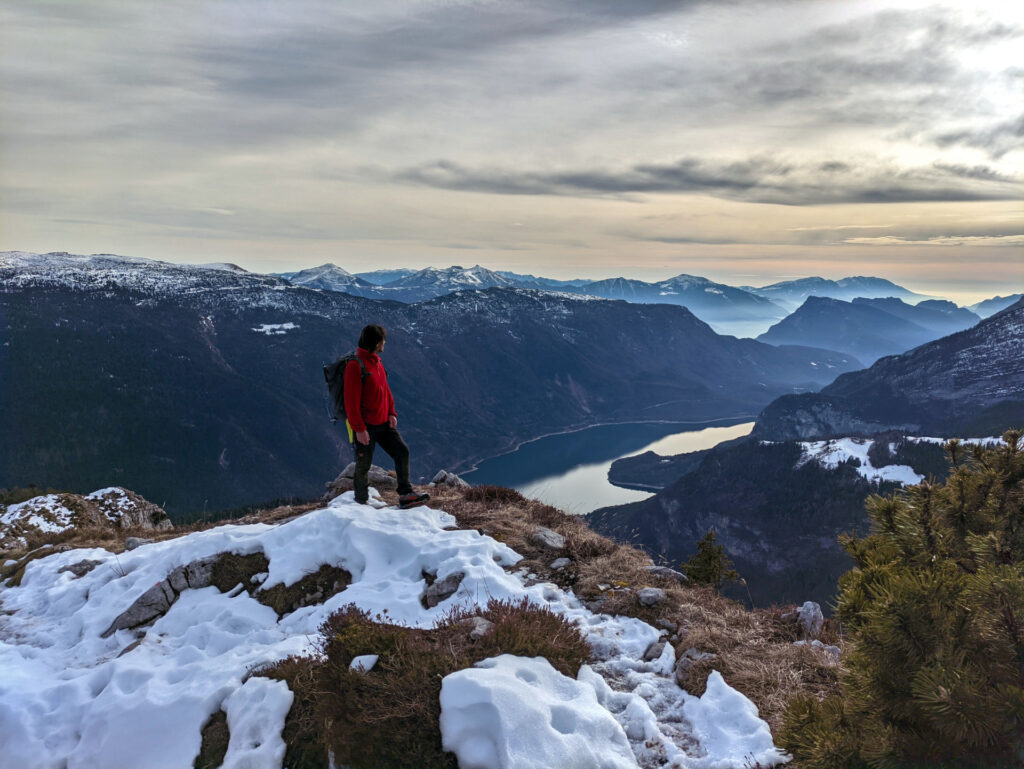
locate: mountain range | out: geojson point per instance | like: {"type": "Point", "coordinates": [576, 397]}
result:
{"type": "Point", "coordinates": [869, 329]}
{"type": "Point", "coordinates": [202, 388]}
{"type": "Point", "coordinates": [779, 498]}
{"type": "Point", "coordinates": [790, 294]}
{"type": "Point", "coordinates": [968, 383]}
{"type": "Point", "coordinates": [995, 304]}
{"type": "Point", "coordinates": [742, 311]}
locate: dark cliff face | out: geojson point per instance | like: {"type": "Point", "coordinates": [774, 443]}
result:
{"type": "Point", "coordinates": [204, 389]}
{"type": "Point", "coordinates": [970, 383]}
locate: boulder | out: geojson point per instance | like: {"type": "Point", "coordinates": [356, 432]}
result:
{"type": "Point", "coordinates": [667, 573]}
{"type": "Point", "coordinates": [442, 589]}
{"type": "Point", "coordinates": [195, 575]}
{"type": "Point", "coordinates": [650, 596]}
{"type": "Point", "coordinates": [113, 507]}
{"type": "Point", "coordinates": [158, 599]}
{"type": "Point", "coordinates": [809, 617]}
{"type": "Point", "coordinates": [560, 563]}
{"type": "Point", "coordinates": [445, 478]}
{"type": "Point", "coordinates": [547, 538]}
{"type": "Point", "coordinates": [128, 510]}
{"type": "Point", "coordinates": [666, 624]}
{"type": "Point", "coordinates": [654, 651]}
{"type": "Point", "coordinates": [377, 477]}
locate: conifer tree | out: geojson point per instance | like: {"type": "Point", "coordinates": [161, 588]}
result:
{"type": "Point", "coordinates": [710, 565]}
{"type": "Point", "coordinates": [933, 675]}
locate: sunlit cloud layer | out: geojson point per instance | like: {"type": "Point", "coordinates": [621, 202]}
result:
{"type": "Point", "coordinates": [739, 140]}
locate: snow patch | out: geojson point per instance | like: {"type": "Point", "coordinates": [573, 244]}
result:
{"type": "Point", "coordinates": [71, 697]}
{"type": "Point", "coordinates": [516, 713]}
{"type": "Point", "coordinates": [832, 453]}
{"type": "Point", "coordinates": [256, 711]}
{"type": "Point", "coordinates": [275, 328]}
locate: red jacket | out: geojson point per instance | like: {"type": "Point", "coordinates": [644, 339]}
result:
{"type": "Point", "coordinates": [369, 402]}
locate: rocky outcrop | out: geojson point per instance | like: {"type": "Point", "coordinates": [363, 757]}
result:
{"type": "Point", "coordinates": [445, 478]}
{"type": "Point", "coordinates": [378, 477]}
{"type": "Point", "coordinates": [813, 416]}
{"type": "Point", "coordinates": [112, 507]}
{"type": "Point", "coordinates": [158, 599]}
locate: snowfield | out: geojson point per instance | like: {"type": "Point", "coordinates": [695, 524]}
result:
{"type": "Point", "coordinates": [70, 698]}
{"type": "Point", "coordinates": [830, 454]}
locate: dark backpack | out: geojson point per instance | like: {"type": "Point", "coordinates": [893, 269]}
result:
{"type": "Point", "coordinates": [334, 373]}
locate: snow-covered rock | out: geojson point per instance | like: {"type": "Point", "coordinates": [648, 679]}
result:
{"type": "Point", "coordinates": [52, 513]}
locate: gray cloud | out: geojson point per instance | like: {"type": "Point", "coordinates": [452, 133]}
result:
{"type": "Point", "coordinates": [996, 140]}
{"type": "Point", "coordinates": [756, 179]}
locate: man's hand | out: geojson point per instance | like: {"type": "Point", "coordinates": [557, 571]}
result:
{"type": "Point", "coordinates": [392, 421]}
{"type": "Point", "coordinates": [363, 437]}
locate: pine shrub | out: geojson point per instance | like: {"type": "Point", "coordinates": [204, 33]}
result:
{"type": "Point", "coordinates": [934, 611]}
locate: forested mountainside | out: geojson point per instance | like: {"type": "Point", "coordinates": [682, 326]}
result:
{"type": "Point", "coordinates": [967, 384]}
{"type": "Point", "coordinates": [777, 508]}
{"type": "Point", "coordinates": [142, 374]}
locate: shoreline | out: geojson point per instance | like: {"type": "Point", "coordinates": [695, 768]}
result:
{"type": "Point", "coordinates": [704, 422]}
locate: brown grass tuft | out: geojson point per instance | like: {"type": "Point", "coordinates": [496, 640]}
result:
{"type": "Point", "coordinates": [214, 745]}
{"type": "Point", "coordinates": [389, 717]}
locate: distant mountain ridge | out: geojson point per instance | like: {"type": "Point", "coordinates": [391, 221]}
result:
{"type": "Point", "coordinates": [995, 304]}
{"type": "Point", "coordinates": [969, 383]}
{"type": "Point", "coordinates": [330, 277]}
{"type": "Point", "coordinates": [869, 329]}
{"type": "Point", "coordinates": [792, 293]}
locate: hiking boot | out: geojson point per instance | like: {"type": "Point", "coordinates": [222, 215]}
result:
{"type": "Point", "coordinates": [412, 499]}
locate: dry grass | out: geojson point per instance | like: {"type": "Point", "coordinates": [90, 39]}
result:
{"type": "Point", "coordinates": [389, 716]}
{"type": "Point", "coordinates": [214, 743]}
{"type": "Point", "coordinates": [754, 650]}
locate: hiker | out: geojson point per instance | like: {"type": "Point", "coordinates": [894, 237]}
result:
{"type": "Point", "coordinates": [371, 417]}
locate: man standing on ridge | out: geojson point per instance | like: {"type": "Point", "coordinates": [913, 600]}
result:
{"type": "Point", "coordinates": [371, 417]}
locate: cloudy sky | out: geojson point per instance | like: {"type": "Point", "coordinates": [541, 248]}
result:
{"type": "Point", "coordinates": [746, 142]}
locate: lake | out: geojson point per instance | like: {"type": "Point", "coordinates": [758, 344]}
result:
{"type": "Point", "coordinates": [570, 470]}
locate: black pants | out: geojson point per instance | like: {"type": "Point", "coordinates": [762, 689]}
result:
{"type": "Point", "coordinates": [391, 441]}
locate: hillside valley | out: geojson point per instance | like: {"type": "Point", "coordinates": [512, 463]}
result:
{"type": "Point", "coordinates": [869, 329]}
{"type": "Point", "coordinates": [141, 374]}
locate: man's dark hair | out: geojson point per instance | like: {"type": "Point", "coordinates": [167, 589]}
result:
{"type": "Point", "coordinates": [372, 336]}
